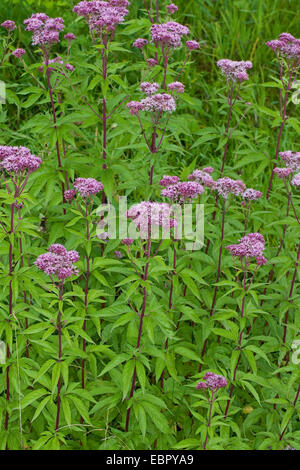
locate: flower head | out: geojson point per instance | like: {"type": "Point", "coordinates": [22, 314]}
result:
{"type": "Point", "coordinates": [182, 192]}
{"type": "Point", "coordinates": [296, 180]}
{"type": "Point", "coordinates": [18, 53]}
{"type": "Point", "coordinates": [18, 160]}
{"type": "Point", "coordinates": [226, 186]}
{"type": "Point", "coordinates": [249, 246]}
{"type": "Point", "coordinates": [70, 37]}
{"type": "Point", "coordinates": [168, 34]}
{"type": "Point", "coordinates": [251, 194]}
{"type": "Point", "coordinates": [45, 30]}
{"type": "Point", "coordinates": [168, 180]}
{"type": "Point", "coordinates": [287, 46]}
{"type": "Point", "coordinates": [177, 87]}
{"type": "Point", "coordinates": [149, 88]}
{"type": "Point", "coordinates": [101, 16]}
{"type": "Point", "coordinates": [9, 25]}
{"type": "Point", "coordinates": [58, 262]}
{"type": "Point", "coordinates": [148, 215]}
{"type": "Point", "coordinates": [140, 43]}
{"type": "Point", "coordinates": [193, 45]}
{"type": "Point", "coordinates": [172, 8]}
{"type": "Point", "coordinates": [212, 381]}
{"type": "Point", "coordinates": [87, 187]}
{"type": "Point", "coordinates": [235, 70]}
{"type": "Point", "coordinates": [203, 177]}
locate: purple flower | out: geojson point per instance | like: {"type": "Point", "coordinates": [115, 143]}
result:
{"type": "Point", "coordinates": [127, 241]}
{"type": "Point", "coordinates": [234, 70]}
{"type": "Point", "coordinates": [178, 87]}
{"type": "Point", "coordinates": [58, 262]}
{"type": "Point", "coordinates": [70, 36]}
{"type": "Point", "coordinates": [251, 194]}
{"type": "Point", "coordinates": [18, 160]}
{"type": "Point", "coordinates": [159, 102]}
{"type": "Point", "coordinates": [140, 43]}
{"type": "Point", "coordinates": [152, 62]}
{"type": "Point", "coordinates": [87, 187]}
{"type": "Point", "coordinates": [9, 25]}
{"type": "Point", "coordinates": [149, 88]}
{"type": "Point", "coordinates": [45, 30]}
{"type": "Point", "coordinates": [250, 246]}
{"type": "Point", "coordinates": [168, 34]}
{"type": "Point", "coordinates": [134, 107]}
{"type": "Point", "coordinates": [69, 194]}
{"type": "Point", "coordinates": [172, 8]}
{"type": "Point", "coordinates": [296, 180]}
{"type": "Point", "coordinates": [203, 177]}
{"type": "Point", "coordinates": [226, 186]}
{"type": "Point", "coordinates": [286, 45]}
{"type": "Point", "coordinates": [283, 172]}
{"type": "Point", "coordinates": [182, 192]}
{"type": "Point", "coordinates": [212, 381]}
{"type": "Point", "coordinates": [102, 17]}
{"type": "Point", "coordinates": [147, 215]}
{"type": "Point", "coordinates": [168, 180]}
{"type": "Point", "coordinates": [193, 45]}
{"type": "Point", "coordinates": [19, 53]}
{"type": "Point", "coordinates": [118, 254]}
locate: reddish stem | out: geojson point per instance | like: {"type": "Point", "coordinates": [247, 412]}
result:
{"type": "Point", "coordinates": [59, 359]}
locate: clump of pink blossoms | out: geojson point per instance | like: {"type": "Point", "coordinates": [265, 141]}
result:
{"type": "Point", "coordinates": [235, 70]}
{"type": "Point", "coordinates": [58, 262]}
{"type": "Point", "coordinates": [168, 34]}
{"type": "Point", "coordinates": [146, 215]}
{"type": "Point", "coordinates": [168, 180]}
{"type": "Point", "coordinates": [149, 88]}
{"type": "Point", "coordinates": [226, 186]}
{"type": "Point", "coordinates": [296, 180]}
{"type": "Point", "coordinates": [251, 194]}
{"type": "Point", "coordinates": [172, 8]}
{"type": "Point", "coordinates": [287, 46]}
{"type": "Point", "coordinates": [140, 43]}
{"type": "Point", "coordinates": [45, 30]}
{"type": "Point", "coordinates": [292, 162]}
{"type": "Point", "coordinates": [101, 16]}
{"type": "Point", "coordinates": [9, 25]}
{"type": "Point", "coordinates": [183, 191]}
{"type": "Point", "coordinates": [85, 187]}
{"type": "Point", "coordinates": [203, 176]}
{"type": "Point", "coordinates": [161, 102]}
{"type": "Point", "coordinates": [192, 45]}
{"type": "Point", "coordinates": [250, 246]}
{"type": "Point", "coordinates": [18, 160]}
{"type": "Point", "coordinates": [177, 87]}
{"type": "Point", "coordinates": [212, 381]}
{"type": "Point", "coordinates": [19, 53]}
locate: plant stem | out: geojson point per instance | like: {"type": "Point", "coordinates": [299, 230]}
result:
{"type": "Point", "coordinates": [140, 328]}
{"type": "Point", "coordinates": [60, 287]}
{"type": "Point", "coordinates": [283, 116]}
{"type": "Point", "coordinates": [218, 272]}
{"type": "Point", "coordinates": [294, 404]}
{"type": "Point", "coordinates": [170, 308]}
{"type": "Point", "coordinates": [211, 402]}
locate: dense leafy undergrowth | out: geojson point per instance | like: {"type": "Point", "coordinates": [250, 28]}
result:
{"type": "Point", "coordinates": [112, 342]}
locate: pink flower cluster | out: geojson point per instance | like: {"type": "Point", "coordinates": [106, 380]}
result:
{"type": "Point", "coordinates": [168, 34]}
{"type": "Point", "coordinates": [57, 60]}
{"type": "Point", "coordinates": [292, 162]}
{"type": "Point", "coordinates": [127, 241]}
{"type": "Point", "coordinates": [9, 25]}
{"type": "Point", "coordinates": [168, 180]}
{"type": "Point", "coordinates": [70, 37]}
{"type": "Point", "coordinates": [296, 180]}
{"type": "Point", "coordinates": [18, 160]}
{"type": "Point", "coordinates": [286, 45]}
{"type": "Point", "coordinates": [177, 87]}
{"type": "Point", "coordinates": [140, 43]}
{"type": "Point", "coordinates": [149, 88]}
{"type": "Point", "coordinates": [58, 261]}
{"type": "Point", "coordinates": [251, 194]}
{"type": "Point", "coordinates": [45, 30]}
{"type": "Point", "coordinates": [212, 381]}
{"type": "Point", "coordinates": [19, 53]}
{"type": "Point", "coordinates": [154, 103]}
{"type": "Point", "coordinates": [192, 45]}
{"type": "Point", "coordinates": [147, 215]}
{"type": "Point", "coordinates": [172, 8]}
{"type": "Point", "coordinates": [235, 70]}
{"type": "Point", "coordinates": [183, 192]}
{"type": "Point", "coordinates": [203, 176]}
{"type": "Point", "coordinates": [226, 186]}
{"type": "Point", "coordinates": [250, 246]}
{"type": "Point", "coordinates": [85, 187]}
{"type": "Point", "coordinates": [102, 17]}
